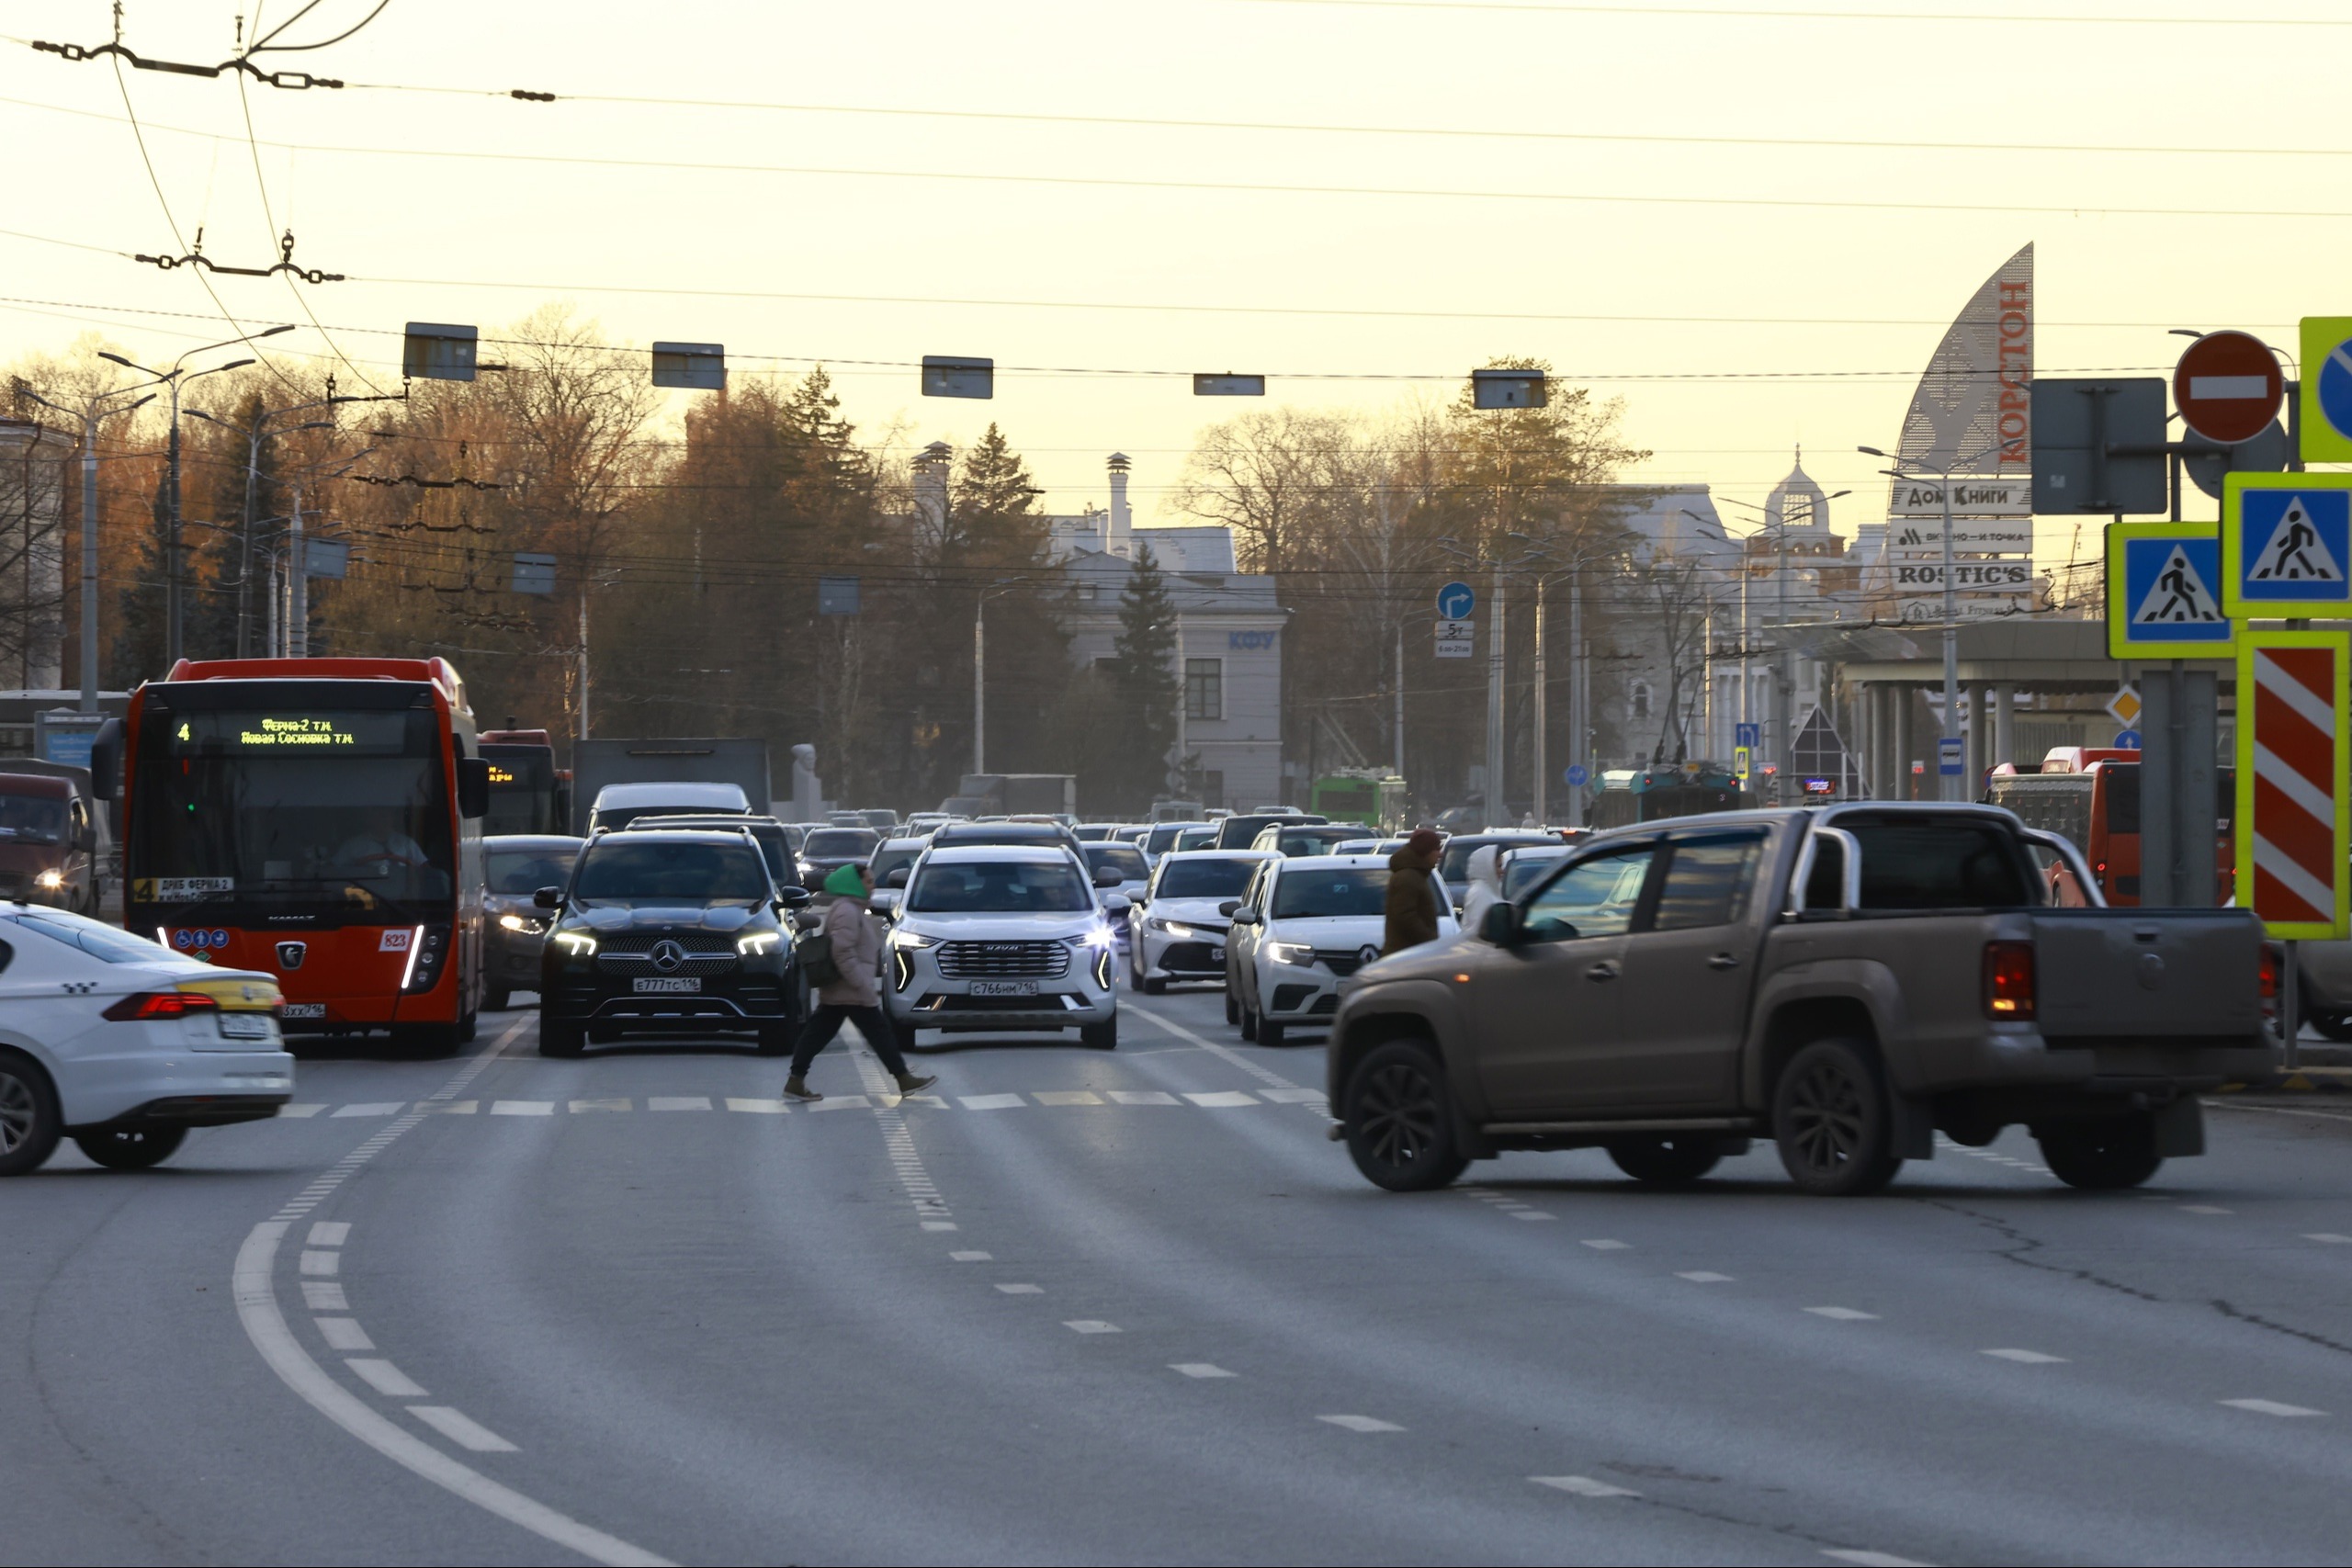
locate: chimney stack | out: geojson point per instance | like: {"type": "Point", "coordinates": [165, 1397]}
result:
{"type": "Point", "coordinates": [931, 484]}
{"type": "Point", "coordinates": [1122, 528]}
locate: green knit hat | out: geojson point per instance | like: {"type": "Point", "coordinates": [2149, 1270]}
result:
{"type": "Point", "coordinates": [846, 881]}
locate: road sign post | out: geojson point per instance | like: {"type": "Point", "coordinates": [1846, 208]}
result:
{"type": "Point", "coordinates": [2294, 824]}
{"type": "Point", "coordinates": [2286, 547]}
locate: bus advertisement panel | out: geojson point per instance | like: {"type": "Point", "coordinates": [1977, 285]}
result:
{"type": "Point", "coordinates": [319, 819]}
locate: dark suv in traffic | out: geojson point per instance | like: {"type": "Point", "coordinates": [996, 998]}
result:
{"type": "Point", "coordinates": [668, 934]}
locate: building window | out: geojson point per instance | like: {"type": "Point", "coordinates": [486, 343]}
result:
{"type": "Point", "coordinates": [1641, 699]}
{"type": "Point", "coordinates": [1205, 688]}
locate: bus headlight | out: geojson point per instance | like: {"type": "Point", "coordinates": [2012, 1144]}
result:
{"type": "Point", "coordinates": [49, 880]}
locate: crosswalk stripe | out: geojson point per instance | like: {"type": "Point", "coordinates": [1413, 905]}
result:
{"type": "Point", "coordinates": [1207, 1099]}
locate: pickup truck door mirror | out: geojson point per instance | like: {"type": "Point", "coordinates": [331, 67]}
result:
{"type": "Point", "coordinates": [1503, 925]}
{"type": "Point", "coordinates": [548, 899]}
{"type": "Point", "coordinates": [1115, 904]}
{"type": "Point", "coordinates": [790, 898]}
{"type": "Point", "coordinates": [1109, 876]}
{"type": "Point", "coordinates": [896, 876]}
{"type": "Point", "coordinates": [1228, 906]}
{"type": "Point", "coordinates": [1245, 917]}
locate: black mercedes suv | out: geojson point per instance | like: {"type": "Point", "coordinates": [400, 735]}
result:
{"type": "Point", "coordinates": [667, 932]}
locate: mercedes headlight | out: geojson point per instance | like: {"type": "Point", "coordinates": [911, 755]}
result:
{"type": "Point", "coordinates": [575, 944]}
{"type": "Point", "coordinates": [1291, 951]}
{"type": "Point", "coordinates": [752, 944]}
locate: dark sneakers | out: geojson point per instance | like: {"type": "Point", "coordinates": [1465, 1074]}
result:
{"type": "Point", "coordinates": [908, 1083]}
{"type": "Point", "coordinates": [797, 1089]}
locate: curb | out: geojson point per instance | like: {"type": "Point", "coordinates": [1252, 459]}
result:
{"type": "Point", "coordinates": [2303, 1080]}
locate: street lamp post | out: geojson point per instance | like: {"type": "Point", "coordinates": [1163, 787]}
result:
{"type": "Point", "coordinates": [174, 377]}
{"type": "Point", "coordinates": [90, 416]}
{"type": "Point", "coordinates": [1948, 786]}
{"type": "Point", "coordinates": [979, 673]}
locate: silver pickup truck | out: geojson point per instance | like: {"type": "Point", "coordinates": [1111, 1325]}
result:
{"type": "Point", "coordinates": [1845, 980]}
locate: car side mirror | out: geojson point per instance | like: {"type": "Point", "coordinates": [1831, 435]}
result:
{"type": "Point", "coordinates": [791, 897]}
{"type": "Point", "coordinates": [86, 839]}
{"type": "Point", "coordinates": [548, 899]}
{"type": "Point", "coordinates": [1245, 917]}
{"type": "Point", "coordinates": [1115, 904]}
{"type": "Point", "coordinates": [896, 876]}
{"type": "Point", "coordinates": [1228, 906]}
{"type": "Point", "coordinates": [1503, 925]}
{"type": "Point", "coordinates": [1108, 877]}
{"type": "Point", "coordinates": [473, 786]}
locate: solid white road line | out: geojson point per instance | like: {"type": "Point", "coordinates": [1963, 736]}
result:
{"type": "Point", "coordinates": [1199, 1369]}
{"type": "Point", "coordinates": [2029, 1358]}
{"type": "Point", "coordinates": [461, 1429]}
{"type": "Point", "coordinates": [1844, 1315]}
{"type": "Point", "coordinates": [1090, 1325]}
{"type": "Point", "coordinates": [330, 1233]}
{"type": "Point", "coordinates": [2270, 1407]}
{"type": "Point", "coordinates": [1293, 1096]}
{"type": "Point", "coordinates": [1361, 1423]}
{"type": "Point", "coordinates": [1583, 1486]}
{"type": "Point", "coordinates": [1703, 1276]}
{"type": "Point", "coordinates": [385, 1378]}
{"type": "Point", "coordinates": [344, 1334]}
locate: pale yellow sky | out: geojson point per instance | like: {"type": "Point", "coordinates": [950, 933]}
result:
{"type": "Point", "coordinates": [1739, 258]}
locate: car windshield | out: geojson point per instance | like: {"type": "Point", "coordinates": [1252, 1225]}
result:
{"type": "Point", "coordinates": [841, 844]}
{"type": "Point", "coordinates": [1338, 892]}
{"type": "Point", "coordinates": [93, 937]}
{"type": "Point", "coordinates": [1311, 841]}
{"type": "Point", "coordinates": [1012, 888]}
{"type": "Point", "coordinates": [528, 870]}
{"type": "Point", "coordinates": [652, 872]}
{"type": "Point", "coordinates": [1195, 838]}
{"type": "Point", "coordinates": [1203, 878]}
{"type": "Point", "coordinates": [32, 819]}
{"type": "Point", "coordinates": [1124, 859]}
{"type": "Point", "coordinates": [1527, 868]}
{"type": "Point", "coordinates": [891, 857]}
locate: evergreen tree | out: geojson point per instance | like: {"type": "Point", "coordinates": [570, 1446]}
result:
{"type": "Point", "coordinates": [1147, 684]}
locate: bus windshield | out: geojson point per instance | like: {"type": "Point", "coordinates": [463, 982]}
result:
{"type": "Point", "coordinates": [522, 790]}
{"type": "Point", "coordinates": [281, 809]}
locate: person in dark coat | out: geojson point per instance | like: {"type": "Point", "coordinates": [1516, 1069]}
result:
{"type": "Point", "coordinates": [852, 996]}
{"type": "Point", "coordinates": [1411, 909]}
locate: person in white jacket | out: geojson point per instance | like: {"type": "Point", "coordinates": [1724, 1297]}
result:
{"type": "Point", "coordinates": [1485, 888]}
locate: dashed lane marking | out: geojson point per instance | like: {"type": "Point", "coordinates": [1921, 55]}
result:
{"type": "Point", "coordinates": [1705, 1277]}
{"type": "Point", "coordinates": [321, 1263]}
{"type": "Point", "coordinates": [1224, 1099]}
{"type": "Point", "coordinates": [1067, 1097]}
{"type": "Point", "coordinates": [679, 1103]}
{"type": "Point", "coordinates": [1023, 1289]}
{"type": "Point", "coordinates": [1583, 1486]}
{"type": "Point", "coordinates": [1199, 1369]}
{"type": "Point", "coordinates": [758, 1107]}
{"type": "Point", "coordinates": [2326, 1236]}
{"type": "Point", "coordinates": [992, 1101]}
{"type": "Point", "coordinates": [973, 1256]}
{"type": "Point", "coordinates": [1090, 1325]}
{"type": "Point", "coordinates": [253, 1277]}
{"type": "Point", "coordinates": [1604, 1244]}
{"type": "Point", "coordinates": [2029, 1358]}
{"type": "Point", "coordinates": [521, 1108]}
{"type": "Point", "coordinates": [330, 1233]}
{"type": "Point", "coordinates": [2205, 1209]}
{"type": "Point", "coordinates": [384, 1377]}
{"type": "Point", "coordinates": [1873, 1559]}
{"type": "Point", "coordinates": [2270, 1407]}
{"type": "Point", "coordinates": [844, 1102]}
{"type": "Point", "coordinates": [451, 1108]}
{"type": "Point", "coordinates": [585, 1107]}
{"type": "Point", "coordinates": [1843, 1315]}
{"type": "Point", "coordinates": [344, 1334]}
{"type": "Point", "coordinates": [461, 1429]}
{"type": "Point", "coordinates": [1361, 1423]}
{"type": "Point", "coordinates": [1535, 1214]}
{"type": "Point", "coordinates": [1143, 1097]}
{"type": "Point", "coordinates": [377, 1108]}
{"type": "Point", "coordinates": [297, 1113]}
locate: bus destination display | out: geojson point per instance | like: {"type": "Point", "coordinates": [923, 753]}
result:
{"type": "Point", "coordinates": [314, 733]}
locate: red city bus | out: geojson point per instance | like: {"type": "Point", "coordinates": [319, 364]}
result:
{"type": "Point", "coordinates": [528, 794]}
{"type": "Point", "coordinates": [2090, 796]}
{"type": "Point", "coordinates": [316, 818]}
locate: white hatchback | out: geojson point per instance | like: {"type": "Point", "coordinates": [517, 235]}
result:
{"type": "Point", "coordinates": [123, 1045]}
{"type": "Point", "coordinates": [1303, 925]}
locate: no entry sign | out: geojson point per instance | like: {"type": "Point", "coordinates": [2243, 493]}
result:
{"type": "Point", "coordinates": [2228, 387]}
{"type": "Point", "coordinates": [2292, 811]}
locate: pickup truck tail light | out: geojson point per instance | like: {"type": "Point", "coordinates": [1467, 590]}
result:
{"type": "Point", "coordinates": [160, 1004]}
{"type": "Point", "coordinates": [2270, 982]}
{"type": "Point", "coordinates": [2009, 980]}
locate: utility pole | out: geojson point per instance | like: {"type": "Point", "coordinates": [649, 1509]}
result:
{"type": "Point", "coordinates": [1579, 697]}
{"type": "Point", "coordinates": [298, 593]}
{"type": "Point", "coordinates": [979, 684]}
{"type": "Point", "coordinates": [583, 638]}
{"type": "Point", "coordinates": [90, 415]}
{"type": "Point", "coordinates": [1497, 796]}
{"type": "Point", "coordinates": [1396, 699]}
{"type": "Point", "coordinates": [1543, 691]}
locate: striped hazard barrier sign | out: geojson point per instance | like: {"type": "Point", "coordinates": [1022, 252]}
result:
{"type": "Point", "coordinates": [2292, 807]}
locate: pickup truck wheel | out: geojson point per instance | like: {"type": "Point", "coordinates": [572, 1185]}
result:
{"type": "Point", "coordinates": [2336, 1026]}
{"type": "Point", "coordinates": [2101, 1156]}
{"type": "Point", "coordinates": [1232, 1008]}
{"type": "Point", "coordinates": [1154, 986]}
{"type": "Point", "coordinates": [1666, 1162]}
{"type": "Point", "coordinates": [1248, 1024]}
{"type": "Point", "coordinates": [1398, 1119]}
{"type": "Point", "coordinates": [1832, 1122]}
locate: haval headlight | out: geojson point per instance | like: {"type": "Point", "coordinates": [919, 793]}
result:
{"type": "Point", "coordinates": [901, 938]}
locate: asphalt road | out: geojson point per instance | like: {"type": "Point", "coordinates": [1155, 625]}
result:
{"type": "Point", "coordinates": [1133, 1306]}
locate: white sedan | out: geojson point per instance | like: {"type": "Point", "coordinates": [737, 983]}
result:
{"type": "Point", "coordinates": [123, 1045]}
{"type": "Point", "coordinates": [1177, 930]}
{"type": "Point", "coordinates": [1301, 926]}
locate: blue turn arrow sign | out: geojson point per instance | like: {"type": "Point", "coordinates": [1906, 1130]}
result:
{"type": "Point", "coordinates": [1455, 601]}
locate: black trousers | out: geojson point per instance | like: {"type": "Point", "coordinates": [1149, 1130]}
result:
{"type": "Point", "coordinates": [826, 1022]}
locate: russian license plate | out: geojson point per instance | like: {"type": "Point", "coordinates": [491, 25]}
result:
{"type": "Point", "coordinates": [1004, 987]}
{"type": "Point", "coordinates": [244, 1026]}
{"type": "Point", "coordinates": [303, 1009]}
{"type": "Point", "coordinates": [682, 985]}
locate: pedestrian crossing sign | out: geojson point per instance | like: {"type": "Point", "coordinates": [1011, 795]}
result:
{"type": "Point", "coordinates": [2287, 546]}
{"type": "Point", "coordinates": [2163, 595]}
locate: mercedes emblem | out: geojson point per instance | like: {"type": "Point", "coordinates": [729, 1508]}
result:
{"type": "Point", "coordinates": [668, 956]}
